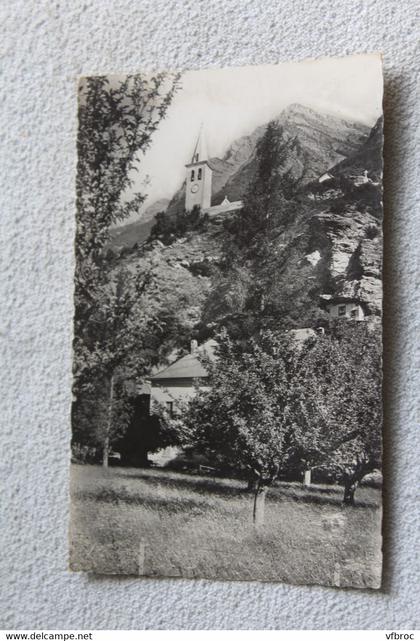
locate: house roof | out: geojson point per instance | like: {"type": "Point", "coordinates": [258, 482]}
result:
{"type": "Point", "coordinates": [188, 366]}
{"type": "Point", "coordinates": [339, 298]}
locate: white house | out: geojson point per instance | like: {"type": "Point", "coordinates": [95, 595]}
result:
{"type": "Point", "coordinates": [361, 179]}
{"type": "Point", "coordinates": [343, 307]}
{"type": "Point", "coordinates": [177, 381]}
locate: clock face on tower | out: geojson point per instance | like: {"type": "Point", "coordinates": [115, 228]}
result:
{"type": "Point", "coordinates": [194, 189]}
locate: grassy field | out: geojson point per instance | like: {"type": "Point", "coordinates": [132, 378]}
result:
{"type": "Point", "coordinates": [159, 523]}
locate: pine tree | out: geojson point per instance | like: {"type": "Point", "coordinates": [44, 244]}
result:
{"type": "Point", "coordinates": [266, 203]}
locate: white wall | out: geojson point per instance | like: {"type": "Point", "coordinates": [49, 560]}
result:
{"type": "Point", "coordinates": [334, 310]}
{"type": "Point", "coordinates": [44, 46]}
{"type": "Point", "coordinates": [176, 390]}
{"type": "Point", "coordinates": [201, 197]}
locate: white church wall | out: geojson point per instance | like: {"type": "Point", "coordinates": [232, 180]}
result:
{"type": "Point", "coordinates": [198, 186]}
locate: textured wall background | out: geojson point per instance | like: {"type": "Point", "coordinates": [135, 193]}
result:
{"type": "Point", "coordinates": [44, 46]}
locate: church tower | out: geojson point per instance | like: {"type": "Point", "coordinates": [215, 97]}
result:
{"type": "Point", "coordinates": [199, 175]}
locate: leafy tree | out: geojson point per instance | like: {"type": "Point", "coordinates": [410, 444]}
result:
{"type": "Point", "coordinates": [117, 119]}
{"type": "Point", "coordinates": [273, 402]}
{"type": "Point", "coordinates": [143, 314]}
{"type": "Point", "coordinates": [124, 317]}
{"type": "Point", "coordinates": [241, 419]}
{"type": "Point", "coordinates": [335, 404]}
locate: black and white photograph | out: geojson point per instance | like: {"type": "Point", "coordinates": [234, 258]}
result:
{"type": "Point", "coordinates": [227, 351]}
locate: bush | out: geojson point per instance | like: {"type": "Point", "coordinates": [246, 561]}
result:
{"type": "Point", "coordinates": [372, 231]}
{"type": "Point", "coordinates": [169, 227]}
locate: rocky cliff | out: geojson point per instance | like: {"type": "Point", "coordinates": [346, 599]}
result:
{"type": "Point", "coordinates": [347, 218]}
{"type": "Point", "coordinates": [332, 246]}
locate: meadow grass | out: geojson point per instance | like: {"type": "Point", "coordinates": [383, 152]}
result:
{"type": "Point", "coordinates": [153, 522]}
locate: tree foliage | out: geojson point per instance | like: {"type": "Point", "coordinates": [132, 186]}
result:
{"type": "Point", "coordinates": [268, 203]}
{"type": "Point", "coordinates": [275, 402]}
{"type": "Point", "coordinates": [241, 419]}
{"type": "Point", "coordinates": [168, 227]}
{"type": "Point", "coordinates": [335, 404]}
{"type": "Point", "coordinates": [117, 119]}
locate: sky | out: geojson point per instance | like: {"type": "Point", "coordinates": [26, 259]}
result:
{"type": "Point", "coordinates": [234, 101]}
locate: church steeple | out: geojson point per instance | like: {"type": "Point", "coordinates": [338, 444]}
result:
{"type": "Point", "coordinates": [199, 176]}
{"type": "Point", "coordinates": [200, 149]}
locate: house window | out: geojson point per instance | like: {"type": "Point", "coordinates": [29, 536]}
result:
{"type": "Point", "coordinates": [341, 310]}
{"type": "Point", "coordinates": [199, 174]}
{"type": "Point", "coordinates": [192, 175]}
{"type": "Point", "coordinates": [353, 313]}
{"type": "Point", "coordinates": [170, 408]}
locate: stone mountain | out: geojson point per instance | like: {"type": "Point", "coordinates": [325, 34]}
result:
{"type": "Point", "coordinates": [334, 244]}
{"type": "Point", "coordinates": [322, 141]}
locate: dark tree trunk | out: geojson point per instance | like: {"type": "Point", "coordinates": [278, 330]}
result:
{"type": "Point", "coordinates": [259, 505]}
{"type": "Point", "coordinates": [252, 485]}
{"type": "Point", "coordinates": [350, 486]}
{"type": "Point", "coordinates": [353, 478]}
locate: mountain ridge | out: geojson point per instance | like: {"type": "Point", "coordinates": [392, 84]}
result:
{"type": "Point", "coordinates": [322, 141]}
{"type": "Point", "coordinates": [321, 147]}
{"type": "Point", "coordinates": [138, 231]}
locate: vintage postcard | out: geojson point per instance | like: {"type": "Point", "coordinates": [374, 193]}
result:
{"type": "Point", "coordinates": [227, 410]}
